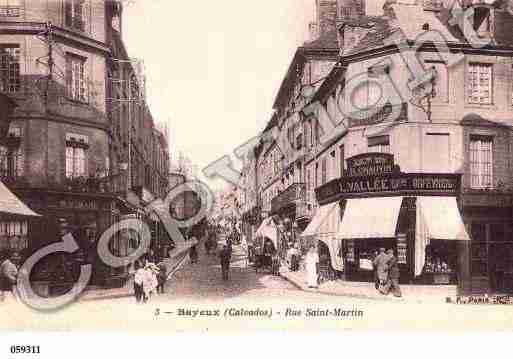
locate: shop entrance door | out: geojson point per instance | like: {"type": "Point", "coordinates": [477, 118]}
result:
{"type": "Point", "coordinates": [500, 258]}
{"type": "Point", "coordinates": [479, 259]}
{"type": "Point", "coordinates": [492, 258]}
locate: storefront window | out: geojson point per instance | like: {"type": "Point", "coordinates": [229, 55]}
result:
{"type": "Point", "coordinates": [14, 235]}
{"type": "Point", "coordinates": [440, 258]}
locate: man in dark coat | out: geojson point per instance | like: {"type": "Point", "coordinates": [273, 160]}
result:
{"type": "Point", "coordinates": [225, 257]}
{"type": "Point", "coordinates": [381, 267]}
{"type": "Point", "coordinates": [393, 275]}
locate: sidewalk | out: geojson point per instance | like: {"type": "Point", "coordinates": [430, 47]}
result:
{"type": "Point", "coordinates": [359, 290]}
{"type": "Point", "coordinates": [172, 264]}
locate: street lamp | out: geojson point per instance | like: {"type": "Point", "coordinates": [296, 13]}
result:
{"type": "Point", "coordinates": [425, 91]}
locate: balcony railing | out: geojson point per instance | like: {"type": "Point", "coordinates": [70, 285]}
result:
{"type": "Point", "coordinates": [10, 11]}
{"type": "Point", "coordinates": [114, 183]}
{"type": "Point", "coordinates": [303, 210]}
{"type": "Point", "coordinates": [295, 192]}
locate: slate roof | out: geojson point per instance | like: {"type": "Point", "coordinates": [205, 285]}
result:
{"type": "Point", "coordinates": [273, 122]}
{"type": "Point", "coordinates": [410, 19]}
{"type": "Point", "coordinates": [379, 28]}
{"type": "Point", "coordinates": [326, 41]}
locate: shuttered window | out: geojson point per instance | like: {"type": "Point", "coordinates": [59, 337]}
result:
{"type": "Point", "coordinates": [76, 14]}
{"type": "Point", "coordinates": [76, 78]}
{"type": "Point", "coordinates": [10, 8]}
{"type": "Point", "coordinates": [380, 144]}
{"type": "Point", "coordinates": [479, 80]}
{"type": "Point", "coordinates": [9, 68]}
{"type": "Point", "coordinates": [481, 161]}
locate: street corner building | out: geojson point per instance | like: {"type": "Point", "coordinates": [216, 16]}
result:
{"type": "Point", "coordinates": [81, 149]}
{"type": "Point", "coordinates": [422, 165]}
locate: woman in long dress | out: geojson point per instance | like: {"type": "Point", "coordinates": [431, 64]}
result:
{"type": "Point", "coordinates": [150, 281]}
{"type": "Point", "coordinates": [312, 261]}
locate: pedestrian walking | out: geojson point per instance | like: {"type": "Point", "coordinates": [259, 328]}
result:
{"type": "Point", "coordinates": [9, 275]}
{"type": "Point", "coordinates": [162, 278]}
{"type": "Point", "coordinates": [229, 244]}
{"type": "Point", "coordinates": [150, 281]}
{"type": "Point", "coordinates": [312, 267]}
{"type": "Point", "coordinates": [245, 250]}
{"type": "Point", "coordinates": [393, 275]}
{"type": "Point", "coordinates": [213, 242]}
{"type": "Point", "coordinates": [380, 263]}
{"type": "Point", "coordinates": [294, 258]}
{"type": "Point", "coordinates": [139, 274]}
{"type": "Point", "coordinates": [193, 254]}
{"type": "Point", "coordinates": [207, 245]}
{"type": "Point", "coordinates": [225, 257]}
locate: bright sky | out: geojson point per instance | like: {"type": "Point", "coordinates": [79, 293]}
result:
{"type": "Point", "coordinates": [214, 67]}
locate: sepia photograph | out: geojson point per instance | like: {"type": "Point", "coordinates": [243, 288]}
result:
{"type": "Point", "coordinates": [240, 166]}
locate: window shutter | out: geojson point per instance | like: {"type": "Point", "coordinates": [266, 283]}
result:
{"type": "Point", "coordinates": [68, 13]}
{"type": "Point", "coordinates": [69, 76]}
{"type": "Point", "coordinates": [378, 141]}
{"type": "Point", "coordinates": [85, 12]}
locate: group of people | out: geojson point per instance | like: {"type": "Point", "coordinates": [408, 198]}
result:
{"type": "Point", "coordinates": [386, 269]}
{"type": "Point", "coordinates": [149, 279]}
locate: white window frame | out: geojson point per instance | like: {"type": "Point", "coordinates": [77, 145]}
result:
{"type": "Point", "coordinates": [481, 161]}
{"type": "Point", "coordinates": [476, 88]}
{"type": "Point", "coordinates": [79, 12]}
{"type": "Point", "coordinates": [77, 78]}
{"type": "Point", "coordinates": [10, 68]}
{"type": "Point", "coordinates": [379, 144]}
{"type": "Point", "coordinates": [76, 161]}
{"type": "Point", "coordinates": [10, 8]}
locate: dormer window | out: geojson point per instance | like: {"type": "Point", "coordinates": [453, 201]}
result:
{"type": "Point", "coordinates": [10, 8]}
{"type": "Point", "coordinates": [76, 14]}
{"type": "Point", "coordinates": [433, 5]}
{"type": "Point", "coordinates": [483, 21]}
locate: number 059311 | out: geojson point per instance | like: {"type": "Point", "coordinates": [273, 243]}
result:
{"type": "Point", "coordinates": [25, 349]}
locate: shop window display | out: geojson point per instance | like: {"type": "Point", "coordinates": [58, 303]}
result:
{"type": "Point", "coordinates": [441, 263]}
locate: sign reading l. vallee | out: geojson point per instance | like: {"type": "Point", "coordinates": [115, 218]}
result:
{"type": "Point", "coordinates": [376, 174]}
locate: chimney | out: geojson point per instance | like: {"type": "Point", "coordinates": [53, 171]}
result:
{"type": "Point", "coordinates": [115, 13]}
{"type": "Point", "coordinates": [313, 31]}
{"type": "Point", "coordinates": [433, 5]}
{"type": "Point", "coordinates": [326, 16]}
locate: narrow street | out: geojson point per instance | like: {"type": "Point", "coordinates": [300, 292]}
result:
{"type": "Point", "coordinates": [203, 280]}
{"type": "Point", "coordinates": [199, 287]}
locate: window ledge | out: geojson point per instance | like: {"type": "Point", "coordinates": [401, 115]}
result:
{"type": "Point", "coordinates": [78, 102]}
{"type": "Point", "coordinates": [478, 106]}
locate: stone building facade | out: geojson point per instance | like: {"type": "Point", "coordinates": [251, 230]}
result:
{"type": "Point", "coordinates": [62, 155]}
{"type": "Point", "coordinates": [454, 129]}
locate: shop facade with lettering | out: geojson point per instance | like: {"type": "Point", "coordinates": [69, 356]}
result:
{"type": "Point", "coordinates": [376, 205]}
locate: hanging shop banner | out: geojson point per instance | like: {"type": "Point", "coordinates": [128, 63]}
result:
{"type": "Point", "coordinates": [370, 164]}
{"type": "Point", "coordinates": [386, 180]}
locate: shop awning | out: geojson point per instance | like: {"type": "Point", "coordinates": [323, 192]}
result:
{"type": "Point", "coordinates": [437, 218]}
{"type": "Point", "coordinates": [11, 205]}
{"type": "Point", "coordinates": [318, 224]}
{"type": "Point", "coordinates": [442, 218]}
{"type": "Point", "coordinates": [268, 230]}
{"type": "Point", "coordinates": [370, 218]}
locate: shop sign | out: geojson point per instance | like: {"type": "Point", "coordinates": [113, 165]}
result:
{"type": "Point", "coordinates": [370, 164]}
{"type": "Point", "coordinates": [400, 183]}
